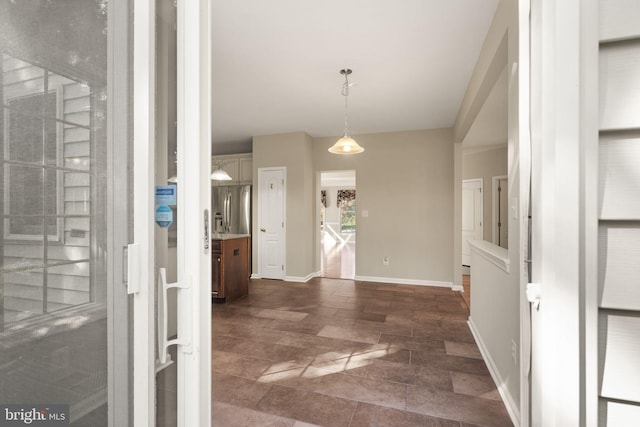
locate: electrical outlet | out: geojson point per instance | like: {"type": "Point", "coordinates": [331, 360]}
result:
{"type": "Point", "coordinates": [385, 260]}
{"type": "Point", "coordinates": [514, 352]}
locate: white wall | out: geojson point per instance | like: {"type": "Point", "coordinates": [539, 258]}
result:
{"type": "Point", "coordinates": [405, 182]}
{"type": "Point", "coordinates": [494, 318]}
{"type": "Point", "coordinates": [500, 49]}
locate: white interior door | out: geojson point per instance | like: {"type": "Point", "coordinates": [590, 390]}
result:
{"type": "Point", "coordinates": [271, 207]}
{"type": "Point", "coordinates": [472, 205]}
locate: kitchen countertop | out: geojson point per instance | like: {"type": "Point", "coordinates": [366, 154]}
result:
{"type": "Point", "coordinates": [221, 236]}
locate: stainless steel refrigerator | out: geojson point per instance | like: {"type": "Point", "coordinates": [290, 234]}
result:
{"type": "Point", "coordinates": [231, 209]}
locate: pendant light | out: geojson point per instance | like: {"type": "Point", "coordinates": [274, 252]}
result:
{"type": "Point", "coordinates": [220, 174]}
{"type": "Point", "coordinates": [346, 144]}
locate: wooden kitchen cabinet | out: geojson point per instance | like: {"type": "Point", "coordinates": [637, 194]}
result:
{"type": "Point", "coordinates": [229, 268]}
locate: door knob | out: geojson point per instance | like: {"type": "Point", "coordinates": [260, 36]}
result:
{"type": "Point", "coordinates": [264, 230]}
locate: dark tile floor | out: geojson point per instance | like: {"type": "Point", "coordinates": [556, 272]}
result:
{"type": "Point", "coordinates": [346, 353]}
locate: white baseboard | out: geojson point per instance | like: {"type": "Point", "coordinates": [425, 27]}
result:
{"type": "Point", "coordinates": [405, 281]}
{"type": "Point", "coordinates": [455, 287]}
{"type": "Point", "coordinates": [507, 398]}
{"type": "Point", "coordinates": [388, 280]}
{"type": "Point", "coordinates": [304, 279]}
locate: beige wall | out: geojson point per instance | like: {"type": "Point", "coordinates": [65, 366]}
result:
{"type": "Point", "coordinates": [485, 164]}
{"type": "Point", "coordinates": [292, 151]}
{"type": "Point", "coordinates": [405, 182]}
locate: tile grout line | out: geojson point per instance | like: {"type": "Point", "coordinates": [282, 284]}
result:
{"type": "Point", "coordinates": [353, 414]}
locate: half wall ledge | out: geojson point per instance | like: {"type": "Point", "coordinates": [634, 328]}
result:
{"type": "Point", "coordinates": [493, 253]}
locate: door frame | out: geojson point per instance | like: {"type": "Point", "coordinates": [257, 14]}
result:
{"type": "Point", "coordinates": [495, 182]}
{"type": "Point", "coordinates": [322, 222]}
{"type": "Point", "coordinates": [194, 40]}
{"type": "Point", "coordinates": [141, 254]}
{"type": "Point", "coordinates": [194, 198]}
{"type": "Point", "coordinates": [119, 346]}
{"type": "Point", "coordinates": [260, 206]}
{"type": "Point", "coordinates": [564, 141]}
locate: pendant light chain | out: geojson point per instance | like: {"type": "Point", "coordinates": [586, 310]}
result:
{"type": "Point", "coordinates": [346, 144]}
{"type": "Point", "coordinates": [345, 93]}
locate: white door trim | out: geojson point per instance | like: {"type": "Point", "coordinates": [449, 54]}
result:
{"type": "Point", "coordinates": [194, 205]}
{"type": "Point", "coordinates": [524, 154]}
{"type": "Point", "coordinates": [143, 204]}
{"type": "Point", "coordinates": [478, 229]}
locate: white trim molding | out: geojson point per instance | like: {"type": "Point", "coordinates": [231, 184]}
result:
{"type": "Point", "coordinates": [492, 253]}
{"type": "Point", "coordinates": [300, 279]}
{"type": "Point", "coordinates": [416, 282]}
{"type": "Point", "coordinates": [387, 280]}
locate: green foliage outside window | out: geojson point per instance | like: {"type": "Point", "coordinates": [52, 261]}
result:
{"type": "Point", "coordinates": [348, 216]}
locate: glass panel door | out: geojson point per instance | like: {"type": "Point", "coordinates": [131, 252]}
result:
{"type": "Point", "coordinates": [64, 68]}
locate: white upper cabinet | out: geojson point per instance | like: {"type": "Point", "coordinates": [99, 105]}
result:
{"type": "Point", "coordinates": [238, 166]}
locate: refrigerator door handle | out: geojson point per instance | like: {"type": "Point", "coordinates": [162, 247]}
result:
{"type": "Point", "coordinates": [225, 216]}
{"type": "Point", "coordinates": [226, 212]}
{"type": "Point", "coordinates": [229, 218]}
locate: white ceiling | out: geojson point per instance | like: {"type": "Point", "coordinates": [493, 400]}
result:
{"type": "Point", "coordinates": [276, 65]}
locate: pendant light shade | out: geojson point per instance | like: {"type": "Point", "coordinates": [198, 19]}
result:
{"type": "Point", "coordinates": [220, 174]}
{"type": "Point", "coordinates": [346, 144]}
